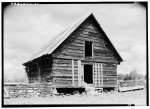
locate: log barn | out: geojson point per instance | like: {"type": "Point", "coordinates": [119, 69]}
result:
{"type": "Point", "coordinates": [82, 53]}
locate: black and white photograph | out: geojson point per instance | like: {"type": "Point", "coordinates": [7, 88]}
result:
{"type": "Point", "coordinates": [74, 53]}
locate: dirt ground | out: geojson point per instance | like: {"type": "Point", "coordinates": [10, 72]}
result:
{"type": "Point", "coordinates": [137, 97]}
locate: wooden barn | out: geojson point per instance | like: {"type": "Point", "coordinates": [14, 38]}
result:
{"type": "Point", "coordinates": [82, 53]}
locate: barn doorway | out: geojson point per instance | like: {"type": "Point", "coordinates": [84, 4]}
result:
{"type": "Point", "coordinates": [88, 74]}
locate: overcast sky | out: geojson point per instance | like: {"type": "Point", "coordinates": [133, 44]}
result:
{"type": "Point", "coordinates": [28, 27]}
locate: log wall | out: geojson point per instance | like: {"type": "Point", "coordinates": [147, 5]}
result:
{"type": "Point", "coordinates": [64, 69]}
{"type": "Point", "coordinates": [73, 47]}
{"type": "Point", "coordinates": [62, 72]}
{"type": "Point", "coordinates": [109, 75]}
{"type": "Point", "coordinates": [40, 71]}
{"type": "Point", "coordinates": [66, 73]}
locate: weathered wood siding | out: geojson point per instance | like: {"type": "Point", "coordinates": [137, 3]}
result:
{"type": "Point", "coordinates": [109, 75]}
{"type": "Point", "coordinates": [65, 73]}
{"type": "Point", "coordinates": [73, 47]}
{"type": "Point", "coordinates": [32, 72]}
{"type": "Point", "coordinates": [46, 70]}
{"type": "Point", "coordinates": [40, 71]}
{"type": "Point", "coordinates": [68, 59]}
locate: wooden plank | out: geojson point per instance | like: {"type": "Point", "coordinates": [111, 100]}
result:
{"type": "Point", "coordinates": [79, 72]}
{"type": "Point", "coordinates": [69, 53]}
{"type": "Point", "coordinates": [69, 56]}
{"type": "Point", "coordinates": [96, 74]}
{"type": "Point", "coordinates": [86, 37]}
{"type": "Point", "coordinates": [79, 41]}
{"type": "Point", "coordinates": [72, 52]}
{"type": "Point", "coordinates": [101, 74]}
{"type": "Point", "coordinates": [92, 50]}
{"type": "Point", "coordinates": [109, 72]}
{"type": "Point", "coordinates": [65, 80]}
{"type": "Point", "coordinates": [63, 68]}
{"type": "Point", "coordinates": [104, 59]}
{"type": "Point", "coordinates": [64, 74]}
{"type": "Point", "coordinates": [62, 61]}
{"type": "Point", "coordinates": [78, 48]}
{"type": "Point", "coordinates": [109, 59]}
{"type": "Point", "coordinates": [111, 80]}
{"type": "Point", "coordinates": [77, 44]}
{"type": "Point", "coordinates": [110, 76]}
{"type": "Point", "coordinates": [82, 73]}
{"type": "Point", "coordinates": [131, 88]}
{"type": "Point", "coordinates": [73, 72]}
{"type": "Point", "coordinates": [108, 67]}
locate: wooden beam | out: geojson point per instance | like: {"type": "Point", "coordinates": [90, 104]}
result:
{"type": "Point", "coordinates": [98, 74]}
{"type": "Point", "coordinates": [101, 74]}
{"type": "Point", "coordinates": [92, 50]}
{"type": "Point", "coordinates": [82, 73]}
{"type": "Point", "coordinates": [94, 74]}
{"type": "Point", "coordinates": [73, 72]}
{"type": "Point", "coordinates": [79, 72]}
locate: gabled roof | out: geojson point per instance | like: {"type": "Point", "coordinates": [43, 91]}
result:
{"type": "Point", "coordinates": [56, 41]}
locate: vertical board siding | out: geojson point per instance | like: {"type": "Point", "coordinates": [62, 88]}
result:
{"type": "Point", "coordinates": [73, 72]}
{"type": "Point", "coordinates": [82, 73]}
{"type": "Point", "coordinates": [102, 79]}
{"type": "Point", "coordinates": [101, 74]}
{"type": "Point", "coordinates": [79, 73]}
{"type": "Point", "coordinates": [76, 73]}
{"type": "Point", "coordinates": [98, 75]}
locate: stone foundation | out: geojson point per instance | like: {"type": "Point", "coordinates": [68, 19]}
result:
{"type": "Point", "coordinates": [29, 90]}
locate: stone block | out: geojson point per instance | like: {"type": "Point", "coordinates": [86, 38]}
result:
{"type": "Point", "coordinates": [27, 96]}
{"type": "Point", "coordinates": [34, 92]}
{"type": "Point", "coordinates": [11, 92]}
{"type": "Point", "coordinates": [37, 93]}
{"type": "Point", "coordinates": [42, 95]}
{"type": "Point", "coordinates": [20, 91]}
{"type": "Point", "coordinates": [35, 88]}
{"type": "Point", "coordinates": [30, 91]}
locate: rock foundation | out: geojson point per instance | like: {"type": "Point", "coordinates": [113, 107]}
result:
{"type": "Point", "coordinates": [29, 90]}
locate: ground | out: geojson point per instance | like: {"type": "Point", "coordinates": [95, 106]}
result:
{"type": "Point", "coordinates": [137, 97]}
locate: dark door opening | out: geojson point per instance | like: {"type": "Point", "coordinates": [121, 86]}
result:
{"type": "Point", "coordinates": [88, 74]}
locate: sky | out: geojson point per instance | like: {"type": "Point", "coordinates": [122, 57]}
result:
{"type": "Point", "coordinates": [28, 27]}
